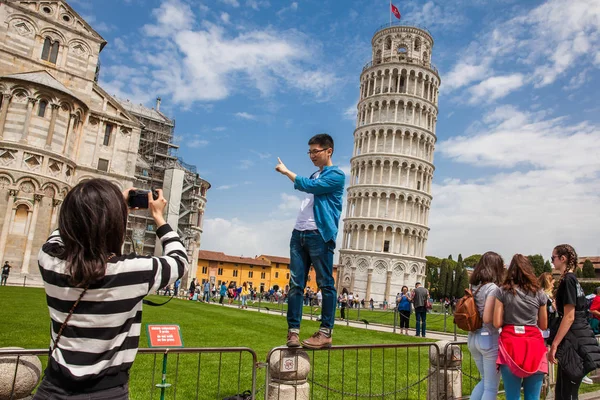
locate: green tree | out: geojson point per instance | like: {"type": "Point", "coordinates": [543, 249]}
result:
{"type": "Point", "coordinates": [464, 283]}
{"type": "Point", "coordinates": [547, 267]}
{"type": "Point", "coordinates": [443, 281]}
{"type": "Point", "coordinates": [537, 261]}
{"type": "Point", "coordinates": [588, 269]}
{"type": "Point", "coordinates": [579, 273]}
{"type": "Point", "coordinates": [450, 257]}
{"type": "Point", "coordinates": [472, 260]}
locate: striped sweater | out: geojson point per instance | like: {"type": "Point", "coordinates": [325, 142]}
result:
{"type": "Point", "coordinates": [100, 342]}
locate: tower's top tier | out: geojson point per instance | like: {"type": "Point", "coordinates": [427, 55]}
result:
{"type": "Point", "coordinates": [397, 42]}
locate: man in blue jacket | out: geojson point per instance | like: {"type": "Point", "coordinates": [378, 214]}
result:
{"type": "Point", "coordinates": [313, 239]}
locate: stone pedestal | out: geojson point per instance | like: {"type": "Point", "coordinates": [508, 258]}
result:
{"type": "Point", "coordinates": [288, 370]}
{"type": "Point", "coordinates": [445, 380]}
{"type": "Point", "coordinates": [28, 374]}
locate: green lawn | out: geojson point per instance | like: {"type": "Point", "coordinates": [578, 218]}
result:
{"type": "Point", "coordinates": [202, 325]}
{"type": "Point", "coordinates": [435, 320]}
{"type": "Point", "coordinates": [368, 372]}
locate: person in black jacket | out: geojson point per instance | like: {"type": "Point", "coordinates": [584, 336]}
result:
{"type": "Point", "coordinates": [574, 346]}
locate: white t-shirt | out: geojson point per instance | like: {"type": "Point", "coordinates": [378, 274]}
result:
{"type": "Point", "coordinates": [306, 216]}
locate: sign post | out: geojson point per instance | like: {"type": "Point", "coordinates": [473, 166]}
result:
{"type": "Point", "coordinates": [164, 336]}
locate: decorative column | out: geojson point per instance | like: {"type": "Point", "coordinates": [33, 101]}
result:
{"type": "Point", "coordinates": [352, 277]}
{"type": "Point", "coordinates": [55, 108]}
{"type": "Point", "coordinates": [369, 278]}
{"type": "Point", "coordinates": [30, 103]}
{"type": "Point", "coordinates": [55, 210]}
{"type": "Point", "coordinates": [37, 198]}
{"type": "Point", "coordinates": [6, 99]}
{"type": "Point", "coordinates": [9, 216]}
{"type": "Point", "coordinates": [388, 284]}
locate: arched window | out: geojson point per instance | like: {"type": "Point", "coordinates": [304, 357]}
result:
{"type": "Point", "coordinates": [19, 226]}
{"type": "Point", "coordinates": [42, 108]}
{"type": "Point", "coordinates": [417, 44]}
{"type": "Point", "coordinates": [50, 50]}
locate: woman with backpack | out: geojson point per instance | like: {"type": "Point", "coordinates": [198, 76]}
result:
{"type": "Point", "coordinates": [521, 313]}
{"type": "Point", "coordinates": [404, 310]}
{"type": "Point", "coordinates": [483, 343]}
{"type": "Point", "coordinates": [574, 346]}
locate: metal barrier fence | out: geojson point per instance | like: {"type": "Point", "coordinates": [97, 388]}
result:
{"type": "Point", "coordinates": [380, 371]}
{"type": "Point", "coordinates": [190, 373]}
{"type": "Point", "coordinates": [384, 371]}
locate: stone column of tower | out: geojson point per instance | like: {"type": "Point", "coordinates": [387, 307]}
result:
{"type": "Point", "coordinates": [389, 197]}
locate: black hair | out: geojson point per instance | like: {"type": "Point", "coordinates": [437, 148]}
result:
{"type": "Point", "coordinates": [323, 140]}
{"type": "Point", "coordinates": [92, 225]}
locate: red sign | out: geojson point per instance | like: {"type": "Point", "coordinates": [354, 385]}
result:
{"type": "Point", "coordinates": [164, 336]}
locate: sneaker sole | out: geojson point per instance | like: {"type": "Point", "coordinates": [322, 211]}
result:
{"type": "Point", "coordinates": [292, 344]}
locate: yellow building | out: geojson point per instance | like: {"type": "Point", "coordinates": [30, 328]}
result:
{"type": "Point", "coordinates": [218, 267]}
{"type": "Point", "coordinates": [262, 272]}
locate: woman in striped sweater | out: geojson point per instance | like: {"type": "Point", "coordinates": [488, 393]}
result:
{"type": "Point", "coordinates": [94, 292]}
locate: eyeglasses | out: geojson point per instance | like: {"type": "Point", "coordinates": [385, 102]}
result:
{"type": "Point", "coordinates": [315, 152]}
{"type": "Point", "coordinates": [552, 257]}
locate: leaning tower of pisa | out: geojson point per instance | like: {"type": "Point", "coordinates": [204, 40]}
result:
{"type": "Point", "coordinates": [389, 197]}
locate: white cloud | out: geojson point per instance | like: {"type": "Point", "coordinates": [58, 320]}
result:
{"type": "Point", "coordinates": [197, 143]}
{"type": "Point", "coordinates": [236, 237]}
{"type": "Point", "coordinates": [431, 14]}
{"type": "Point", "coordinates": [219, 129]}
{"type": "Point", "coordinates": [246, 164]}
{"type": "Point", "coordinates": [289, 203]}
{"type": "Point", "coordinates": [495, 88]}
{"type": "Point", "coordinates": [463, 74]}
{"type": "Point", "coordinates": [232, 3]}
{"type": "Point", "coordinates": [225, 17]}
{"type": "Point", "coordinates": [544, 191]}
{"type": "Point", "coordinates": [291, 8]}
{"type": "Point", "coordinates": [194, 63]}
{"type": "Point", "coordinates": [245, 115]}
{"type": "Point", "coordinates": [350, 113]}
{"type": "Point", "coordinates": [226, 187]}
{"type": "Point", "coordinates": [257, 4]}
{"type": "Point", "coordinates": [172, 16]}
{"type": "Point", "coordinates": [261, 155]}
{"type": "Point", "coordinates": [545, 42]}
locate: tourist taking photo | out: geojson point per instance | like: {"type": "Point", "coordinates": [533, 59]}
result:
{"type": "Point", "coordinates": [94, 292]}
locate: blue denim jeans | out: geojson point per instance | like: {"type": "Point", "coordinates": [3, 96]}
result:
{"type": "Point", "coordinates": [306, 248]}
{"type": "Point", "coordinates": [532, 385]}
{"type": "Point", "coordinates": [484, 350]}
{"type": "Point", "coordinates": [421, 316]}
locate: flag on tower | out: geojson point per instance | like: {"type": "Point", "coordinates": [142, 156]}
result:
{"type": "Point", "coordinates": [395, 11]}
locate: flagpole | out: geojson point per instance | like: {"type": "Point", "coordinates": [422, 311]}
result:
{"type": "Point", "coordinates": [390, 12]}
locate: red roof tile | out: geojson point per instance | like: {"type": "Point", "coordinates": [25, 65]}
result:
{"type": "Point", "coordinates": [222, 257]}
{"type": "Point", "coordinates": [276, 259]}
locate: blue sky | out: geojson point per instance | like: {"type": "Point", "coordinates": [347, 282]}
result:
{"type": "Point", "coordinates": [517, 157]}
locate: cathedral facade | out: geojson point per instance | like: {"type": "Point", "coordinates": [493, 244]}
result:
{"type": "Point", "coordinates": [57, 125]}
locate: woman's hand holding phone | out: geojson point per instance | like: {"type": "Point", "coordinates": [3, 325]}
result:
{"type": "Point", "coordinates": [157, 207]}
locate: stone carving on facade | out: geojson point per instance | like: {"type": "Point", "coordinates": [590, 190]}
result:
{"type": "Point", "coordinates": [27, 187]}
{"type": "Point", "coordinates": [4, 182]}
{"type": "Point", "coordinates": [32, 162]}
{"type": "Point", "coordinates": [7, 157]}
{"type": "Point", "coordinates": [49, 191]}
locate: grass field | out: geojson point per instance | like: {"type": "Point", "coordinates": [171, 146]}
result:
{"type": "Point", "coordinates": [368, 372]}
{"type": "Point", "coordinates": [203, 325]}
{"type": "Point", "coordinates": [435, 320]}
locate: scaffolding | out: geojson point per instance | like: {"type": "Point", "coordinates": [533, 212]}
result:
{"type": "Point", "coordinates": [157, 152]}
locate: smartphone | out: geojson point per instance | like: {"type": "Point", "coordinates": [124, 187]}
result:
{"type": "Point", "coordinates": [139, 198]}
